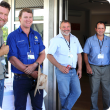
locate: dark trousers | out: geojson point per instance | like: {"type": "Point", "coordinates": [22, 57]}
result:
{"type": "Point", "coordinates": [101, 76]}
{"type": "Point", "coordinates": [23, 85]}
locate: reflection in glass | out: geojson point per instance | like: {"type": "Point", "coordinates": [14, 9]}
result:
{"type": "Point", "coordinates": [38, 14]}
{"type": "Point", "coordinates": [16, 26]}
{"type": "Point", "coordinates": [38, 28]}
{"type": "Point", "coordinates": [17, 14]}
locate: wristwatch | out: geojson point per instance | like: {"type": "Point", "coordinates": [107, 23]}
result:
{"type": "Point", "coordinates": [37, 63]}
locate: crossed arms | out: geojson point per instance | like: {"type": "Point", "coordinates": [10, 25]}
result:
{"type": "Point", "coordinates": [28, 69]}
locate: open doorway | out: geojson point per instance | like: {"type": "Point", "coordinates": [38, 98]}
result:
{"type": "Point", "coordinates": [83, 15]}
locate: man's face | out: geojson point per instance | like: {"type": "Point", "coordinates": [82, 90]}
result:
{"type": "Point", "coordinates": [100, 29]}
{"type": "Point", "coordinates": [65, 29]}
{"type": "Point", "coordinates": [26, 20]}
{"type": "Point", "coordinates": [3, 16]}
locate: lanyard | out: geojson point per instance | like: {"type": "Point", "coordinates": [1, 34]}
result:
{"type": "Point", "coordinates": [29, 44]}
{"type": "Point", "coordinates": [67, 44]}
{"type": "Point", "coordinates": [100, 44]}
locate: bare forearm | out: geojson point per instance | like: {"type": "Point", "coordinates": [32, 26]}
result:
{"type": "Point", "coordinates": [41, 57]}
{"type": "Point", "coordinates": [4, 50]}
{"type": "Point", "coordinates": [17, 63]}
{"type": "Point", "coordinates": [88, 68]}
{"type": "Point", "coordinates": [80, 61]}
{"type": "Point", "coordinates": [53, 60]}
{"type": "Point", "coordinates": [22, 67]}
{"type": "Point", "coordinates": [86, 59]}
{"type": "Point", "coordinates": [62, 68]}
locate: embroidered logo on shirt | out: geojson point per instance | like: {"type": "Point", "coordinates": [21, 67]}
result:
{"type": "Point", "coordinates": [21, 41]}
{"type": "Point", "coordinates": [36, 37]}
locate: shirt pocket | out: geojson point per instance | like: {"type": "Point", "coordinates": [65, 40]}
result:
{"type": "Point", "coordinates": [95, 50]}
{"type": "Point", "coordinates": [22, 48]}
{"type": "Point", "coordinates": [36, 47]}
{"type": "Point", "coordinates": [74, 48]}
{"type": "Point", "coordinates": [106, 49]}
{"type": "Point", "coordinates": [63, 50]}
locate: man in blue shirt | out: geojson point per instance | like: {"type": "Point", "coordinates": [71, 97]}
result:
{"type": "Point", "coordinates": [97, 60]}
{"type": "Point", "coordinates": [26, 52]}
{"type": "Point", "coordinates": [64, 51]}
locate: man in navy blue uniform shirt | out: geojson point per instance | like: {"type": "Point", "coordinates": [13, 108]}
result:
{"type": "Point", "coordinates": [26, 52]}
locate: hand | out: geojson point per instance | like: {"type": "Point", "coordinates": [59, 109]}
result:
{"type": "Point", "coordinates": [88, 69]}
{"type": "Point", "coordinates": [79, 73]}
{"type": "Point", "coordinates": [30, 68]}
{"type": "Point", "coordinates": [34, 74]}
{"type": "Point", "coordinates": [63, 69]}
{"type": "Point", "coordinates": [5, 49]}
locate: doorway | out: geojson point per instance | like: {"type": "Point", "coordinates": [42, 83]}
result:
{"type": "Point", "coordinates": [83, 15]}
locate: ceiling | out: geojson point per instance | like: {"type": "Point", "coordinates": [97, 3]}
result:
{"type": "Point", "coordinates": [81, 5]}
{"type": "Point", "coordinates": [19, 4]}
{"type": "Point", "coordinates": [95, 7]}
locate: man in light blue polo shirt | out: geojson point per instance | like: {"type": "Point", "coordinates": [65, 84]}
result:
{"type": "Point", "coordinates": [97, 59]}
{"type": "Point", "coordinates": [65, 50]}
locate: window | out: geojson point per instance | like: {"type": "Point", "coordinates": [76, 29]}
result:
{"type": "Point", "coordinates": [5, 35]}
{"type": "Point", "coordinates": [5, 32]}
{"type": "Point", "coordinates": [107, 31]}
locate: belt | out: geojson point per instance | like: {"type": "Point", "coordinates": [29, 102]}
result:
{"type": "Point", "coordinates": [26, 75]}
{"type": "Point", "coordinates": [72, 68]}
{"type": "Point", "coordinates": [102, 65]}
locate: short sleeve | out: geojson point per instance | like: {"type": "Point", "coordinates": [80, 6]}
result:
{"type": "Point", "coordinates": [79, 49]}
{"type": "Point", "coordinates": [42, 47]}
{"type": "Point", "coordinates": [12, 46]}
{"type": "Point", "coordinates": [53, 46]}
{"type": "Point", "coordinates": [87, 47]}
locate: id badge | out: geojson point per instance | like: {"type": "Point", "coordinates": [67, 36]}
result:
{"type": "Point", "coordinates": [3, 62]}
{"type": "Point", "coordinates": [100, 56]}
{"type": "Point", "coordinates": [30, 55]}
{"type": "Point", "coordinates": [70, 55]}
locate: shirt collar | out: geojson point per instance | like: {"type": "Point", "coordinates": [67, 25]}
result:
{"type": "Point", "coordinates": [20, 30]}
{"type": "Point", "coordinates": [95, 37]}
{"type": "Point", "coordinates": [60, 35]}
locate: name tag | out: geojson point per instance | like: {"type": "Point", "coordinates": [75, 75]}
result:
{"type": "Point", "coordinates": [3, 62]}
{"type": "Point", "coordinates": [30, 55]}
{"type": "Point", "coordinates": [70, 55]}
{"type": "Point", "coordinates": [100, 56]}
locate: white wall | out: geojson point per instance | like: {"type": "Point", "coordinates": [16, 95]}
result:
{"type": "Point", "coordinates": [84, 28]}
{"type": "Point", "coordinates": [81, 20]}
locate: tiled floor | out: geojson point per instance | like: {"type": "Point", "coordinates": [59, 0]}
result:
{"type": "Point", "coordinates": [83, 103]}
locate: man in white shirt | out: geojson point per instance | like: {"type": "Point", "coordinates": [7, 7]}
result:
{"type": "Point", "coordinates": [65, 51]}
